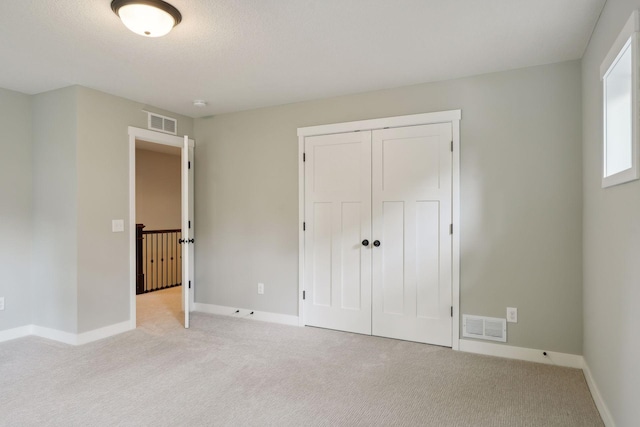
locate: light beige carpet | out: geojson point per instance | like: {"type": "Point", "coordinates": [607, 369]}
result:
{"type": "Point", "coordinates": [225, 371]}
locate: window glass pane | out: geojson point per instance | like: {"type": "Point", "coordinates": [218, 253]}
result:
{"type": "Point", "coordinates": [618, 120]}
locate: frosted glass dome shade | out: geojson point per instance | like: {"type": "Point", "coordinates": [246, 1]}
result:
{"type": "Point", "coordinates": [147, 19]}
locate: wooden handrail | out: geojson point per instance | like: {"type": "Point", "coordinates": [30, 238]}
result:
{"type": "Point", "coordinates": [173, 230]}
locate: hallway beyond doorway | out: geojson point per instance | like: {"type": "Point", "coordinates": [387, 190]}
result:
{"type": "Point", "coordinates": [160, 310]}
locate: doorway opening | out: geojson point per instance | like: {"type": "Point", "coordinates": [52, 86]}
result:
{"type": "Point", "coordinates": [158, 233]}
{"type": "Point", "coordinates": [161, 249]}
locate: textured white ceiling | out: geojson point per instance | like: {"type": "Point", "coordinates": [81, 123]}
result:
{"type": "Point", "coordinates": [243, 54]}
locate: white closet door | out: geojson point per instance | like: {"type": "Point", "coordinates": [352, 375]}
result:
{"type": "Point", "coordinates": [411, 218]}
{"type": "Point", "coordinates": [338, 220]}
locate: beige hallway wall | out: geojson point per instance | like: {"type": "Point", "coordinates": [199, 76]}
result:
{"type": "Point", "coordinates": [158, 201]}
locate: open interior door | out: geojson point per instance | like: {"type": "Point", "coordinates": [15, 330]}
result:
{"type": "Point", "coordinates": [187, 229]}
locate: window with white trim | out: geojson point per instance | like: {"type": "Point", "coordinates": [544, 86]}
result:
{"type": "Point", "coordinates": [621, 124]}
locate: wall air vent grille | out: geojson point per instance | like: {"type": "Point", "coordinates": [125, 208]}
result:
{"type": "Point", "coordinates": [484, 328]}
{"type": "Point", "coordinates": [170, 126]}
{"type": "Point", "coordinates": [162, 123]}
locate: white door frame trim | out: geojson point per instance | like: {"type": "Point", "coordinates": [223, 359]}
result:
{"type": "Point", "coordinates": [451, 116]}
{"type": "Point", "coordinates": [156, 138]}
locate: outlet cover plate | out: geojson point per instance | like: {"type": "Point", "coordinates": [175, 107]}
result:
{"type": "Point", "coordinates": [512, 315]}
{"type": "Point", "coordinates": [261, 288]}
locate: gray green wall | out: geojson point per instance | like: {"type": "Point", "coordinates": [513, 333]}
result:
{"type": "Point", "coordinates": [103, 195]}
{"type": "Point", "coordinates": [65, 176]}
{"type": "Point", "coordinates": [521, 201]}
{"type": "Point", "coordinates": [15, 208]}
{"type": "Point", "coordinates": [611, 244]}
{"type": "Point", "coordinates": [55, 177]}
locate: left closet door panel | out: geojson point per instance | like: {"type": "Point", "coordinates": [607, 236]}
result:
{"type": "Point", "coordinates": [338, 231]}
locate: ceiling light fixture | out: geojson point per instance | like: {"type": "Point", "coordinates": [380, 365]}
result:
{"type": "Point", "coordinates": [200, 103]}
{"type": "Point", "coordinates": [149, 18]}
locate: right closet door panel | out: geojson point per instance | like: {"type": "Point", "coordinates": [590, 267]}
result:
{"type": "Point", "coordinates": [411, 216]}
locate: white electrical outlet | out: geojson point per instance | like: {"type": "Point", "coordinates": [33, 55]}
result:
{"type": "Point", "coordinates": [512, 315]}
{"type": "Point", "coordinates": [1, 303]}
{"type": "Point", "coordinates": [261, 288]}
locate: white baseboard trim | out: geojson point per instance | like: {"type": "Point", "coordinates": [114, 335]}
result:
{"type": "Point", "coordinates": [244, 313]}
{"type": "Point", "coordinates": [597, 397]}
{"type": "Point", "coordinates": [65, 337]}
{"type": "Point", "coordinates": [107, 331]}
{"type": "Point", "coordinates": [521, 353]}
{"type": "Point", "coordinates": [54, 334]}
{"type": "Point", "coordinates": [12, 334]}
